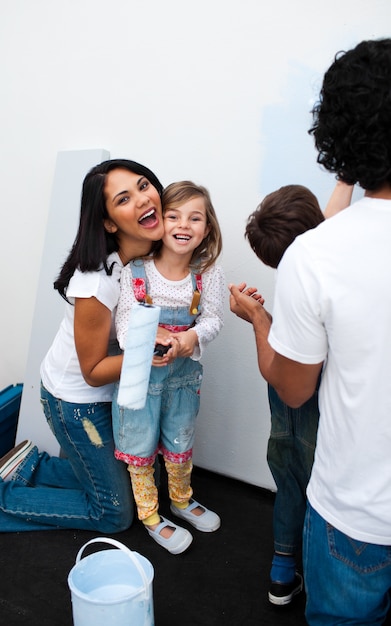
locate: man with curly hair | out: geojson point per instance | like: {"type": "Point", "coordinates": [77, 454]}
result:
{"type": "Point", "coordinates": [332, 313]}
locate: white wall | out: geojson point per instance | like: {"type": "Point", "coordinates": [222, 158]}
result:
{"type": "Point", "coordinates": [217, 91]}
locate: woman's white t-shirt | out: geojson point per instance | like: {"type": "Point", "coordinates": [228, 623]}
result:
{"type": "Point", "coordinates": [60, 369]}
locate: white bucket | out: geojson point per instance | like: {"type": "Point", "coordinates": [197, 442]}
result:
{"type": "Point", "coordinates": [111, 587]}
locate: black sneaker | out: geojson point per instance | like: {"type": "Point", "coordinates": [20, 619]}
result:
{"type": "Point", "coordinates": [282, 594]}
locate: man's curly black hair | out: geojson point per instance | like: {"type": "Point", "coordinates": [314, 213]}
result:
{"type": "Point", "coordinates": [352, 120]}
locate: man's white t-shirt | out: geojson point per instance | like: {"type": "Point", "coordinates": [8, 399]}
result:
{"type": "Point", "coordinates": [60, 369]}
{"type": "Point", "coordinates": [333, 304]}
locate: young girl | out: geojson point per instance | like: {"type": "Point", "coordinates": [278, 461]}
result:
{"type": "Point", "coordinates": [182, 279]}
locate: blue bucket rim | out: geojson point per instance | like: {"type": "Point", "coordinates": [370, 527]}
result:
{"type": "Point", "coordinates": [144, 588]}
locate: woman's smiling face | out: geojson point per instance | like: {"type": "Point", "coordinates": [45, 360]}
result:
{"type": "Point", "coordinates": [133, 205]}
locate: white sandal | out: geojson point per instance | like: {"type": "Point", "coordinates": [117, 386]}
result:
{"type": "Point", "coordinates": [207, 522]}
{"type": "Point", "coordinates": [177, 543]}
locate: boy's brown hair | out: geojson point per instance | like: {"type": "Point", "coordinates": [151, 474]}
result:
{"type": "Point", "coordinates": [279, 219]}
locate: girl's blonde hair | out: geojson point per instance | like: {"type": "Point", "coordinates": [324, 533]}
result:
{"type": "Point", "coordinates": [176, 194]}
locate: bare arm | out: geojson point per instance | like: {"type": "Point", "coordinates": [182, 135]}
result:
{"type": "Point", "coordinates": [294, 382]}
{"type": "Point", "coordinates": [339, 199]}
{"type": "Point", "coordinates": [92, 331]}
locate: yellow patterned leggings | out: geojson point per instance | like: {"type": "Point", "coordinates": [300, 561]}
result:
{"type": "Point", "coordinates": [145, 491]}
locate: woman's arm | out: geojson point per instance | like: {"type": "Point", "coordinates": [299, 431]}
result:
{"type": "Point", "coordinates": [92, 326]}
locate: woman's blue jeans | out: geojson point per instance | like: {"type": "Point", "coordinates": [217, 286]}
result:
{"type": "Point", "coordinates": [347, 581]}
{"type": "Point", "coordinates": [290, 456]}
{"type": "Point", "coordinates": [89, 489]}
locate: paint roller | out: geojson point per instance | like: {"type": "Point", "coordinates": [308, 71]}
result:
{"type": "Point", "coordinates": [138, 353]}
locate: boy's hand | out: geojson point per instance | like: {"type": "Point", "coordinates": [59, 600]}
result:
{"type": "Point", "coordinates": [245, 301]}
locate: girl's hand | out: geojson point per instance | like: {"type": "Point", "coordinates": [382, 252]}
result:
{"type": "Point", "coordinates": [164, 338]}
{"type": "Point", "coordinates": [186, 341]}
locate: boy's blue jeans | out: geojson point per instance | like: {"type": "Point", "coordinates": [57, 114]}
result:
{"type": "Point", "coordinates": [290, 457]}
{"type": "Point", "coordinates": [347, 581]}
{"type": "Point", "coordinates": [88, 490]}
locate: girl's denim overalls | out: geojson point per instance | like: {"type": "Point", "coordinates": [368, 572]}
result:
{"type": "Point", "coordinates": [167, 422]}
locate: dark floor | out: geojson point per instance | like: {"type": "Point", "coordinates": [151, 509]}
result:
{"type": "Point", "coordinates": [221, 580]}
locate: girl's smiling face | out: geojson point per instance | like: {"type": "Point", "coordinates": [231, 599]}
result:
{"type": "Point", "coordinates": [185, 226]}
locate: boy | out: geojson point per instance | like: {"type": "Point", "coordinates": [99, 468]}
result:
{"type": "Point", "coordinates": [278, 220]}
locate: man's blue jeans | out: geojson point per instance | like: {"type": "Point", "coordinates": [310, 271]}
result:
{"type": "Point", "coordinates": [347, 581]}
{"type": "Point", "coordinates": [290, 457]}
{"type": "Point", "coordinates": [88, 490]}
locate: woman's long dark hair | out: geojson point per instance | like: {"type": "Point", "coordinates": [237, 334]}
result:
{"type": "Point", "coordinates": [93, 243]}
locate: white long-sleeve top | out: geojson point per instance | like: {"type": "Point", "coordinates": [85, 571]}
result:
{"type": "Point", "coordinates": [176, 293]}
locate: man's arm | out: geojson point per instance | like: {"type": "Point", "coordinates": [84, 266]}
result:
{"type": "Point", "coordinates": [294, 382]}
{"type": "Point", "coordinates": [339, 199]}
